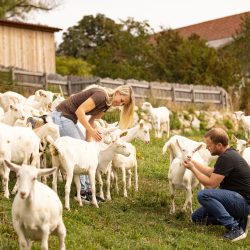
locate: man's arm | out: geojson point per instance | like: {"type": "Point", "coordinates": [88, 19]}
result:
{"type": "Point", "coordinates": [208, 180]}
{"type": "Point", "coordinates": [203, 169]}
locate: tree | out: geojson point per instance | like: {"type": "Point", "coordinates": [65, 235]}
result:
{"type": "Point", "coordinates": [18, 9]}
{"type": "Point", "coordinates": [190, 61]}
{"type": "Point", "coordinates": [240, 50]}
{"type": "Point", "coordinates": [84, 38]}
{"type": "Point", "coordinates": [125, 56]}
{"type": "Point", "coordinates": [73, 66]}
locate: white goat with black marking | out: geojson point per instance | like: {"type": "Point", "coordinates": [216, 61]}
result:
{"type": "Point", "coordinates": [36, 209]}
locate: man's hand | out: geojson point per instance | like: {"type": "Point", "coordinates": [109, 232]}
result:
{"type": "Point", "coordinates": [188, 164]}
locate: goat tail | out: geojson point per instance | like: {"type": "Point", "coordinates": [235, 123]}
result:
{"type": "Point", "coordinates": [168, 146]}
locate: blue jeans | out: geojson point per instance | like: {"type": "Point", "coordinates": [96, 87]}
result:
{"type": "Point", "coordinates": [221, 207]}
{"type": "Point", "coordinates": [69, 128]}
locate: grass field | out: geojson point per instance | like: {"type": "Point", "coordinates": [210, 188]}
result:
{"type": "Point", "coordinates": [141, 221]}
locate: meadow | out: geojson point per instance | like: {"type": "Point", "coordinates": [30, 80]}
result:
{"type": "Point", "coordinates": [141, 221]}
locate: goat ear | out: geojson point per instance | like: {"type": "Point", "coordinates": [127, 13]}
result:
{"type": "Point", "coordinates": [46, 171]}
{"type": "Point", "coordinates": [12, 166]}
{"type": "Point", "coordinates": [124, 133]}
{"type": "Point", "coordinates": [178, 144]}
{"type": "Point", "coordinates": [141, 123]}
{"type": "Point", "coordinates": [38, 92]}
{"type": "Point", "coordinates": [198, 148]}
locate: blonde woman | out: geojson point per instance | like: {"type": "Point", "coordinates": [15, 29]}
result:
{"type": "Point", "coordinates": [94, 101]}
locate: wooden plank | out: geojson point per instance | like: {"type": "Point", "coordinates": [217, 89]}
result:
{"type": "Point", "coordinates": [56, 82]}
{"type": "Point", "coordinates": [27, 84]}
{"type": "Point", "coordinates": [207, 101]}
{"type": "Point", "coordinates": [200, 91]}
{"type": "Point", "coordinates": [139, 86]}
{"type": "Point", "coordinates": [161, 88]}
{"type": "Point", "coordinates": [110, 82]}
{"type": "Point", "coordinates": [20, 72]}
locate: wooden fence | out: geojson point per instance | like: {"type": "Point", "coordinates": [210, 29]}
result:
{"type": "Point", "coordinates": [153, 91]}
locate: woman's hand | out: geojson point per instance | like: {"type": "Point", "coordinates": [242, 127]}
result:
{"type": "Point", "coordinates": [188, 164]}
{"type": "Point", "coordinates": [94, 133]}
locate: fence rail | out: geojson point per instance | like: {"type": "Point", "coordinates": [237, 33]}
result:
{"type": "Point", "coordinates": [143, 90]}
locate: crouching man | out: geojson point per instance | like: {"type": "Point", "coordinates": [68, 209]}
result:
{"type": "Point", "coordinates": [230, 204]}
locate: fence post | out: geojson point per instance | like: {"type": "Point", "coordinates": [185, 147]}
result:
{"type": "Point", "coordinates": [173, 93]}
{"type": "Point", "coordinates": [12, 72]}
{"type": "Point", "coordinates": [69, 85]}
{"type": "Point", "coordinates": [45, 81]}
{"type": "Point", "coordinates": [192, 92]}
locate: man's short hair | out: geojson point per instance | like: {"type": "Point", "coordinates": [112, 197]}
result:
{"type": "Point", "coordinates": [217, 135]}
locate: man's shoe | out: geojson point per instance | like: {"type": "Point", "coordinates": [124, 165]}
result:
{"type": "Point", "coordinates": [244, 223]}
{"type": "Point", "coordinates": [235, 233]}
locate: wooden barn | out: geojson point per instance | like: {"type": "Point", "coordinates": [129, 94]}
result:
{"type": "Point", "coordinates": [27, 46]}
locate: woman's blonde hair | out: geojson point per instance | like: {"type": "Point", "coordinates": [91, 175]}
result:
{"type": "Point", "coordinates": [127, 112]}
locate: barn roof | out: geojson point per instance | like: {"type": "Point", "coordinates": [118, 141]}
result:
{"type": "Point", "coordinates": [23, 25]}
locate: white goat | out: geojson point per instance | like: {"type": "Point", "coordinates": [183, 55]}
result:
{"type": "Point", "coordinates": [244, 121]}
{"type": "Point", "coordinates": [36, 209]}
{"type": "Point", "coordinates": [241, 147]}
{"type": "Point", "coordinates": [19, 145]}
{"type": "Point", "coordinates": [10, 97]}
{"type": "Point", "coordinates": [126, 164]}
{"type": "Point", "coordinates": [182, 178]}
{"type": "Point", "coordinates": [141, 132]}
{"type": "Point", "coordinates": [75, 157]}
{"type": "Point", "coordinates": [160, 118]}
{"type": "Point", "coordinates": [104, 162]}
{"type": "Point", "coordinates": [175, 151]}
{"type": "Point", "coordinates": [14, 113]}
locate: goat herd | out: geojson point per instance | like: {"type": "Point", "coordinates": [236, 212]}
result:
{"type": "Point", "coordinates": [37, 209]}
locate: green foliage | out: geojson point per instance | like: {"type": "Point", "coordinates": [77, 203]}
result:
{"type": "Point", "coordinates": [174, 121]}
{"type": "Point", "coordinates": [116, 50]}
{"type": "Point", "coordinates": [72, 66]}
{"type": "Point", "coordinates": [112, 116]}
{"type": "Point", "coordinates": [5, 78]}
{"type": "Point", "coordinates": [239, 50]}
{"type": "Point", "coordinates": [20, 9]}
{"type": "Point", "coordinates": [90, 33]}
{"type": "Point", "coordinates": [176, 59]}
{"type": "Point", "coordinates": [228, 123]}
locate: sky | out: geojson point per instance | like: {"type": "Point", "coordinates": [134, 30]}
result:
{"type": "Point", "coordinates": [159, 13]}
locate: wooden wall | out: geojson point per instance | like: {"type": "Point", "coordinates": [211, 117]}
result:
{"type": "Point", "coordinates": [27, 49]}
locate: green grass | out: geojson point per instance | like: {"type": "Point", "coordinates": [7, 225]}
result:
{"type": "Point", "coordinates": [141, 221]}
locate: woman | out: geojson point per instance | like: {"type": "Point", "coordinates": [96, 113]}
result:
{"type": "Point", "coordinates": [94, 101]}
